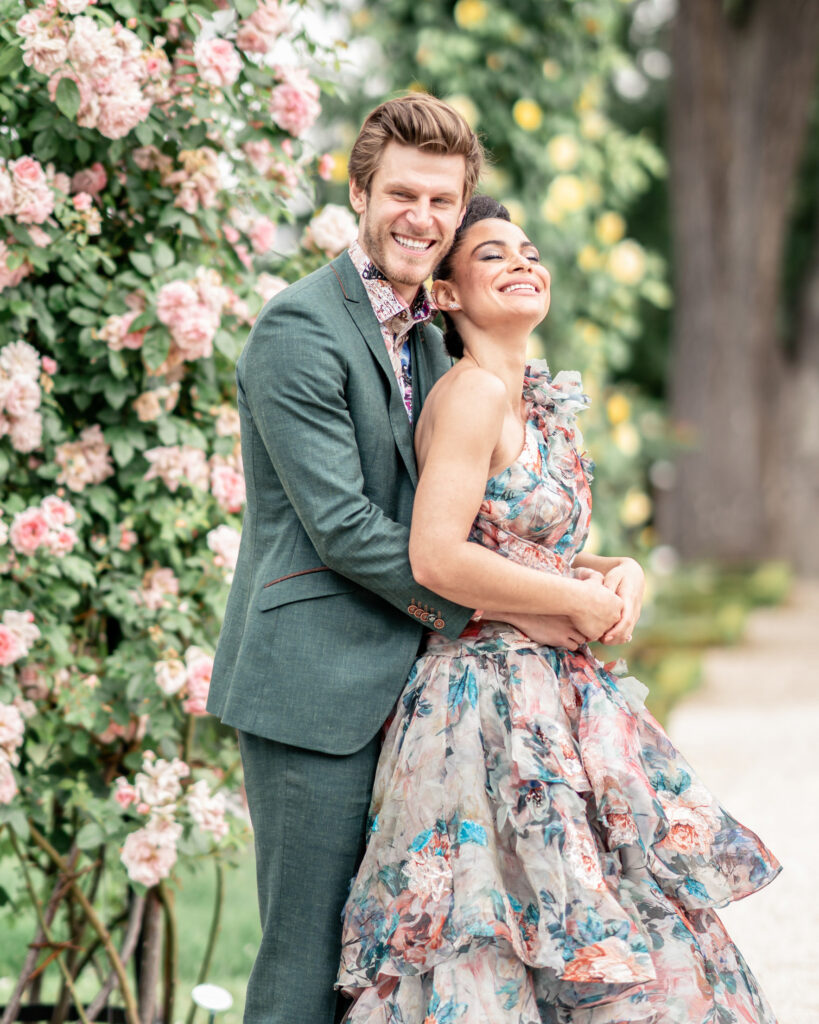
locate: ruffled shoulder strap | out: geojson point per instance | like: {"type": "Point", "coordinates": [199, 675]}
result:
{"type": "Point", "coordinates": [562, 396]}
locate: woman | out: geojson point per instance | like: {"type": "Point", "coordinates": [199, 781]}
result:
{"type": "Point", "coordinates": [538, 850]}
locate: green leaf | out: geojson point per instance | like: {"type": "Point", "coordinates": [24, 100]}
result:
{"type": "Point", "coordinates": [145, 133]}
{"type": "Point", "coordinates": [175, 11]}
{"type": "Point", "coordinates": [85, 317]}
{"type": "Point", "coordinates": [90, 836]}
{"type": "Point", "coordinates": [102, 501]}
{"type": "Point", "coordinates": [143, 263]}
{"type": "Point", "coordinates": [245, 7]}
{"type": "Point", "coordinates": [228, 344]}
{"type": "Point", "coordinates": [68, 98]}
{"type": "Point", "coordinates": [11, 59]}
{"type": "Point", "coordinates": [163, 255]}
{"type": "Point", "coordinates": [122, 450]}
{"type": "Point", "coordinates": [78, 570]}
{"type": "Point", "coordinates": [155, 347]}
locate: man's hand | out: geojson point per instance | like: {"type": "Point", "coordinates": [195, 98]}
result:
{"type": "Point", "coordinates": [627, 580]}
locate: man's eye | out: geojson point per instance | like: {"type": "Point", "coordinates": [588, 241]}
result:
{"type": "Point", "coordinates": [442, 202]}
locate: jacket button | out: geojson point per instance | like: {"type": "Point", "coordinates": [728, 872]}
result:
{"type": "Point", "coordinates": [439, 623]}
{"type": "Point", "coordinates": [412, 609]}
{"type": "Point", "coordinates": [420, 614]}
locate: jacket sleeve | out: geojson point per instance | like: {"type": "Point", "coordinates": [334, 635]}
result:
{"type": "Point", "coordinates": [293, 377]}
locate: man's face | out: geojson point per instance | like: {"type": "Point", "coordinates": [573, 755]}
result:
{"type": "Point", "coordinates": [408, 219]}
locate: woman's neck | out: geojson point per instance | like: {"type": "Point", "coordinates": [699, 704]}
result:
{"type": "Point", "coordinates": [506, 359]}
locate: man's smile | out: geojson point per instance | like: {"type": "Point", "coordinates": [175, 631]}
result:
{"type": "Point", "coordinates": [414, 244]}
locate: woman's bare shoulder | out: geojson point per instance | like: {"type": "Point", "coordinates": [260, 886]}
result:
{"type": "Point", "coordinates": [465, 388]}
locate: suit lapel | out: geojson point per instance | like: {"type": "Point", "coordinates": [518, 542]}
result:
{"type": "Point", "coordinates": [361, 313]}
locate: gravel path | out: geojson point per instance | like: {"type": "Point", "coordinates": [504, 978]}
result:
{"type": "Point", "coordinates": [752, 734]}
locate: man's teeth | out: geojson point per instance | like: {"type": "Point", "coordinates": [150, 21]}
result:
{"type": "Point", "coordinates": [519, 288]}
{"type": "Point", "coordinates": [412, 243]}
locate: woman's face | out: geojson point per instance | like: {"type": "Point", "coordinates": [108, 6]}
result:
{"type": "Point", "coordinates": [496, 277]}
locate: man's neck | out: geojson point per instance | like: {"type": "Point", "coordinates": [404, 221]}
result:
{"type": "Point", "coordinates": [406, 293]}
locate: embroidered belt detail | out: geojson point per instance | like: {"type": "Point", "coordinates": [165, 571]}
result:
{"type": "Point", "coordinates": [304, 572]}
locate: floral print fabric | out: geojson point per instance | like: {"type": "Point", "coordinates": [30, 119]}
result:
{"type": "Point", "coordinates": [538, 851]}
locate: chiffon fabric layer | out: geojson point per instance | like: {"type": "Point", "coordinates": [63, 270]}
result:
{"type": "Point", "coordinates": [538, 850]}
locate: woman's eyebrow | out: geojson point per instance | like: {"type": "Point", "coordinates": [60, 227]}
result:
{"type": "Point", "coordinates": [495, 241]}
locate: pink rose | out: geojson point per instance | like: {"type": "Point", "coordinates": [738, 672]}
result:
{"type": "Point", "coordinates": [250, 39]}
{"type": "Point", "coordinates": [333, 229]}
{"type": "Point", "coordinates": [175, 301]}
{"type": "Point", "coordinates": [117, 334]}
{"type": "Point", "coordinates": [228, 487]}
{"type": "Point", "coordinates": [27, 433]}
{"type": "Point", "coordinates": [208, 811]}
{"type": "Point", "coordinates": [217, 61]}
{"type": "Point", "coordinates": [127, 538]}
{"type": "Point", "coordinates": [259, 153]}
{"type": "Point", "coordinates": [170, 675]}
{"type": "Point", "coordinates": [33, 206]}
{"type": "Point", "coordinates": [62, 542]}
{"type": "Point", "coordinates": [200, 670]}
{"type": "Point", "coordinates": [8, 784]}
{"type": "Point", "coordinates": [12, 728]}
{"type": "Point", "coordinates": [82, 201]}
{"type": "Point", "coordinates": [6, 193]}
{"type": "Point", "coordinates": [325, 166]}
{"type": "Point", "coordinates": [146, 859]}
{"type": "Point", "coordinates": [22, 396]}
{"type": "Point", "coordinates": [262, 235]}
{"type": "Point", "coordinates": [11, 646]}
{"type": "Point", "coordinates": [194, 335]}
{"type": "Point", "coordinates": [268, 285]}
{"type": "Point", "coordinates": [29, 531]}
{"type": "Point", "coordinates": [92, 179]}
{"type": "Point", "coordinates": [122, 110]}
{"type": "Point", "coordinates": [294, 104]}
{"type": "Point", "coordinates": [125, 794]}
{"type": "Point", "coordinates": [38, 237]}
{"type": "Point", "coordinates": [57, 511]}
{"type": "Point", "coordinates": [49, 366]}
{"type": "Point", "coordinates": [27, 172]}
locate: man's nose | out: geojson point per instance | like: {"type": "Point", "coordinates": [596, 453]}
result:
{"type": "Point", "coordinates": [419, 214]}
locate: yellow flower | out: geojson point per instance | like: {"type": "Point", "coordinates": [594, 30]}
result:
{"type": "Point", "coordinates": [551, 212]}
{"type": "Point", "coordinates": [593, 125]}
{"type": "Point", "coordinates": [590, 95]}
{"type": "Point", "coordinates": [465, 107]}
{"type": "Point", "coordinates": [588, 258]}
{"type": "Point", "coordinates": [594, 193]}
{"type": "Point", "coordinates": [417, 87]}
{"type": "Point", "coordinates": [552, 70]}
{"type": "Point", "coordinates": [618, 408]}
{"type": "Point", "coordinates": [563, 151]}
{"type": "Point", "coordinates": [470, 13]}
{"type": "Point", "coordinates": [610, 227]}
{"type": "Point", "coordinates": [517, 211]}
{"type": "Point", "coordinates": [627, 262]}
{"type": "Point", "coordinates": [636, 508]}
{"type": "Point", "coordinates": [338, 174]}
{"type": "Point", "coordinates": [567, 192]}
{"type": "Point", "coordinates": [627, 438]}
{"type": "Point", "coordinates": [590, 334]}
{"type": "Point", "coordinates": [361, 19]}
{"type": "Point", "coordinates": [527, 114]}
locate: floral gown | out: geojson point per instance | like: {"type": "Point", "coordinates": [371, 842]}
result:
{"type": "Point", "coordinates": [538, 851]}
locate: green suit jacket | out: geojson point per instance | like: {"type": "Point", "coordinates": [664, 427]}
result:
{"type": "Point", "coordinates": [324, 618]}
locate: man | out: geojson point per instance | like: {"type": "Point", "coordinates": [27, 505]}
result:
{"type": "Point", "coordinates": [324, 618]}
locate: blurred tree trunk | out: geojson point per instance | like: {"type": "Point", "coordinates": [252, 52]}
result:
{"type": "Point", "coordinates": [741, 97]}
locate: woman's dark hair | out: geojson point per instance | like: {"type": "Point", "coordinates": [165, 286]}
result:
{"type": "Point", "coordinates": [478, 208]}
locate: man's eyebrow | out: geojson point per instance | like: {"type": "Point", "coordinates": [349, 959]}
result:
{"type": "Point", "coordinates": [403, 186]}
{"type": "Point", "coordinates": [526, 244]}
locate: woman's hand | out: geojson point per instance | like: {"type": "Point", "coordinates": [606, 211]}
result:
{"type": "Point", "coordinates": [627, 580]}
{"type": "Point", "coordinates": [546, 630]}
{"type": "Point", "coordinates": [597, 608]}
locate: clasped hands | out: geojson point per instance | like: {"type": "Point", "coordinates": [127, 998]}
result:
{"type": "Point", "coordinates": [607, 610]}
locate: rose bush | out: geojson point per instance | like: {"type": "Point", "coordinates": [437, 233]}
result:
{"type": "Point", "coordinates": [148, 158]}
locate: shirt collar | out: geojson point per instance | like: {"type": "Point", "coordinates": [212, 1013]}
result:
{"type": "Point", "coordinates": [386, 303]}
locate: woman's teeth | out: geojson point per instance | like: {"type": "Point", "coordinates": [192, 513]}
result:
{"type": "Point", "coordinates": [519, 288]}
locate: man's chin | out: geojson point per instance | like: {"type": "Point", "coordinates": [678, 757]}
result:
{"type": "Point", "coordinates": [411, 270]}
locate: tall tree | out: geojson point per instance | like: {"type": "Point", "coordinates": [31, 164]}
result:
{"type": "Point", "coordinates": [741, 97]}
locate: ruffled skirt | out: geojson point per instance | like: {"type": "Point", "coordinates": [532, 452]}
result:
{"type": "Point", "coordinates": [539, 853]}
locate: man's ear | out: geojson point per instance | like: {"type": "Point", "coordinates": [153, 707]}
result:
{"type": "Point", "coordinates": [358, 197]}
{"type": "Point", "coordinates": [462, 215]}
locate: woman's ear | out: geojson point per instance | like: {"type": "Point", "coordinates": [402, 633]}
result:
{"type": "Point", "coordinates": [445, 296]}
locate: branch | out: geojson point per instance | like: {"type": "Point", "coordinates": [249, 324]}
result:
{"type": "Point", "coordinates": [171, 964]}
{"type": "Point", "coordinates": [128, 946]}
{"type": "Point", "coordinates": [215, 924]}
{"type": "Point", "coordinates": [27, 973]}
{"type": "Point", "coordinates": [131, 1012]}
{"type": "Point", "coordinates": [69, 981]}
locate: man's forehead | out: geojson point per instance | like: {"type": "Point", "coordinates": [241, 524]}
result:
{"type": "Point", "coordinates": [443, 173]}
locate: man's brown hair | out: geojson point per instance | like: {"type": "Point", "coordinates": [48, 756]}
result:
{"type": "Point", "coordinates": [416, 120]}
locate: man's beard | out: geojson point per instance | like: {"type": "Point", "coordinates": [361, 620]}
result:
{"type": "Point", "coordinates": [376, 249]}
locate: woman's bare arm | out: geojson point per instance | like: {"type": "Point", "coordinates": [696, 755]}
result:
{"type": "Point", "coordinates": [469, 415]}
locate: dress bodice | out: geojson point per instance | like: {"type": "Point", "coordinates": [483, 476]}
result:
{"type": "Point", "coordinates": [537, 511]}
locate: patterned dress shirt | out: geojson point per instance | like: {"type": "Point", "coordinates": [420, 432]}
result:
{"type": "Point", "coordinates": [394, 316]}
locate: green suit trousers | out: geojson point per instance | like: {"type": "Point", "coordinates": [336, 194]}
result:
{"type": "Point", "coordinates": [309, 814]}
